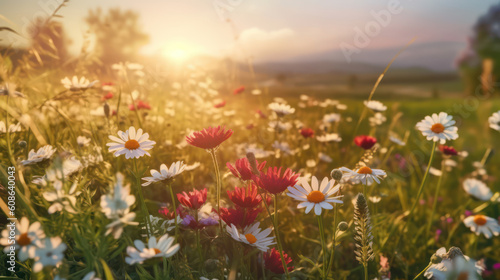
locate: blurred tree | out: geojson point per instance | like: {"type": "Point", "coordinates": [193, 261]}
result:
{"type": "Point", "coordinates": [118, 36]}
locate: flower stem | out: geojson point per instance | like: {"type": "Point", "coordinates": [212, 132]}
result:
{"type": "Point", "coordinates": [322, 237]}
{"type": "Point", "coordinates": [175, 211]}
{"type": "Point", "coordinates": [365, 266]}
{"type": "Point", "coordinates": [422, 184]}
{"type": "Point", "coordinates": [434, 202]}
{"type": "Point", "coordinates": [198, 244]}
{"type": "Point", "coordinates": [334, 241]}
{"type": "Point", "coordinates": [218, 182]}
{"type": "Point", "coordinates": [275, 225]}
{"type": "Point", "coordinates": [424, 270]}
{"type": "Point", "coordinates": [421, 189]}
{"type": "Point", "coordinates": [141, 198]}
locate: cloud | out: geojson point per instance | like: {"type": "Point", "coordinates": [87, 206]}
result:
{"type": "Point", "coordinates": [265, 45]}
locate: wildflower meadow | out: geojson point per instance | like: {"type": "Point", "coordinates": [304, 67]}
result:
{"type": "Point", "coordinates": [121, 172]}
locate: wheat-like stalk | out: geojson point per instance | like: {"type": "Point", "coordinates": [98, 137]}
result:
{"type": "Point", "coordinates": [363, 231]}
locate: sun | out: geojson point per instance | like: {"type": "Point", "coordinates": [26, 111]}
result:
{"type": "Point", "coordinates": [177, 54]}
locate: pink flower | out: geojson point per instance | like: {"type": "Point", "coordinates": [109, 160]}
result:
{"type": "Point", "coordinates": [194, 199]}
{"type": "Point", "coordinates": [242, 168]}
{"type": "Point", "coordinates": [209, 138]}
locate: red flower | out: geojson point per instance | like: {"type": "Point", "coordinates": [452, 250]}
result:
{"type": "Point", "coordinates": [239, 90]}
{"type": "Point", "coordinates": [238, 216]}
{"type": "Point", "coordinates": [209, 138]}
{"type": "Point", "coordinates": [194, 199]}
{"type": "Point", "coordinates": [274, 182]}
{"type": "Point", "coordinates": [245, 197]}
{"type": "Point", "coordinates": [364, 141]}
{"type": "Point", "coordinates": [272, 261]}
{"type": "Point", "coordinates": [250, 126]}
{"type": "Point", "coordinates": [448, 150]}
{"type": "Point", "coordinates": [107, 96]}
{"type": "Point", "coordinates": [140, 105]}
{"type": "Point", "coordinates": [261, 114]}
{"type": "Point", "coordinates": [307, 132]}
{"type": "Point", "coordinates": [242, 168]}
{"type": "Point", "coordinates": [220, 104]}
{"type": "Point", "coordinates": [167, 214]}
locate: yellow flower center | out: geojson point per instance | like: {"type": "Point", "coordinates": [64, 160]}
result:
{"type": "Point", "coordinates": [24, 239]}
{"type": "Point", "coordinates": [437, 128]}
{"type": "Point", "coordinates": [157, 251]}
{"type": "Point", "coordinates": [250, 238]}
{"type": "Point", "coordinates": [365, 170]}
{"type": "Point", "coordinates": [316, 197]}
{"type": "Point", "coordinates": [480, 220]}
{"type": "Point", "coordinates": [132, 144]}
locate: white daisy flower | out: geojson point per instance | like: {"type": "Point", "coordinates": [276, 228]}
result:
{"type": "Point", "coordinates": [477, 189]}
{"type": "Point", "coordinates": [132, 144]}
{"type": "Point", "coordinates": [283, 147]}
{"type": "Point", "coordinates": [252, 236]}
{"type": "Point", "coordinates": [377, 119]}
{"type": "Point", "coordinates": [13, 128]}
{"type": "Point", "coordinates": [281, 109]}
{"type": "Point", "coordinates": [49, 252]}
{"type": "Point", "coordinates": [365, 175]}
{"type": "Point", "coordinates": [445, 264]}
{"type": "Point", "coordinates": [438, 127]}
{"type": "Point", "coordinates": [119, 222]}
{"type": "Point", "coordinates": [279, 126]}
{"type": "Point", "coordinates": [76, 84]}
{"type": "Point", "coordinates": [163, 248]}
{"type": "Point", "coordinates": [330, 118]}
{"type": "Point", "coordinates": [60, 200]}
{"type": "Point", "coordinates": [56, 175]}
{"type": "Point", "coordinates": [26, 236]}
{"type": "Point", "coordinates": [82, 141]}
{"type": "Point", "coordinates": [90, 276]}
{"type": "Point", "coordinates": [374, 105]}
{"type": "Point", "coordinates": [42, 154]}
{"type": "Point", "coordinates": [483, 224]}
{"type": "Point", "coordinates": [494, 121]}
{"type": "Point", "coordinates": [317, 196]}
{"type": "Point", "coordinates": [375, 199]}
{"type": "Point", "coordinates": [324, 157]}
{"type": "Point", "coordinates": [330, 137]}
{"type": "Point", "coordinates": [116, 203]}
{"type": "Point", "coordinates": [459, 268]}
{"type": "Point", "coordinates": [192, 166]}
{"type": "Point", "coordinates": [394, 139]}
{"type": "Point", "coordinates": [436, 172]}
{"type": "Point", "coordinates": [165, 173]}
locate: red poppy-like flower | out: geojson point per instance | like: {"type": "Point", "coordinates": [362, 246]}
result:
{"type": "Point", "coordinates": [448, 150]}
{"type": "Point", "coordinates": [239, 217]}
{"type": "Point", "coordinates": [274, 182]}
{"type": "Point", "coordinates": [167, 214]}
{"type": "Point", "coordinates": [239, 90]}
{"type": "Point", "coordinates": [245, 197]}
{"type": "Point", "coordinates": [307, 132]}
{"type": "Point", "coordinates": [272, 261]}
{"type": "Point", "coordinates": [107, 96]}
{"type": "Point", "coordinates": [242, 168]}
{"type": "Point", "coordinates": [140, 105]}
{"type": "Point", "coordinates": [194, 199]}
{"type": "Point", "coordinates": [220, 104]}
{"type": "Point", "coordinates": [364, 141]}
{"type": "Point", "coordinates": [209, 138]}
{"type": "Point", "coordinates": [261, 114]}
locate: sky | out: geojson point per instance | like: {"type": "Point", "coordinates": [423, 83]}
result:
{"type": "Point", "coordinates": [279, 30]}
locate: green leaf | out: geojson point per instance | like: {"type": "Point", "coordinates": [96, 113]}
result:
{"type": "Point", "coordinates": [107, 271]}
